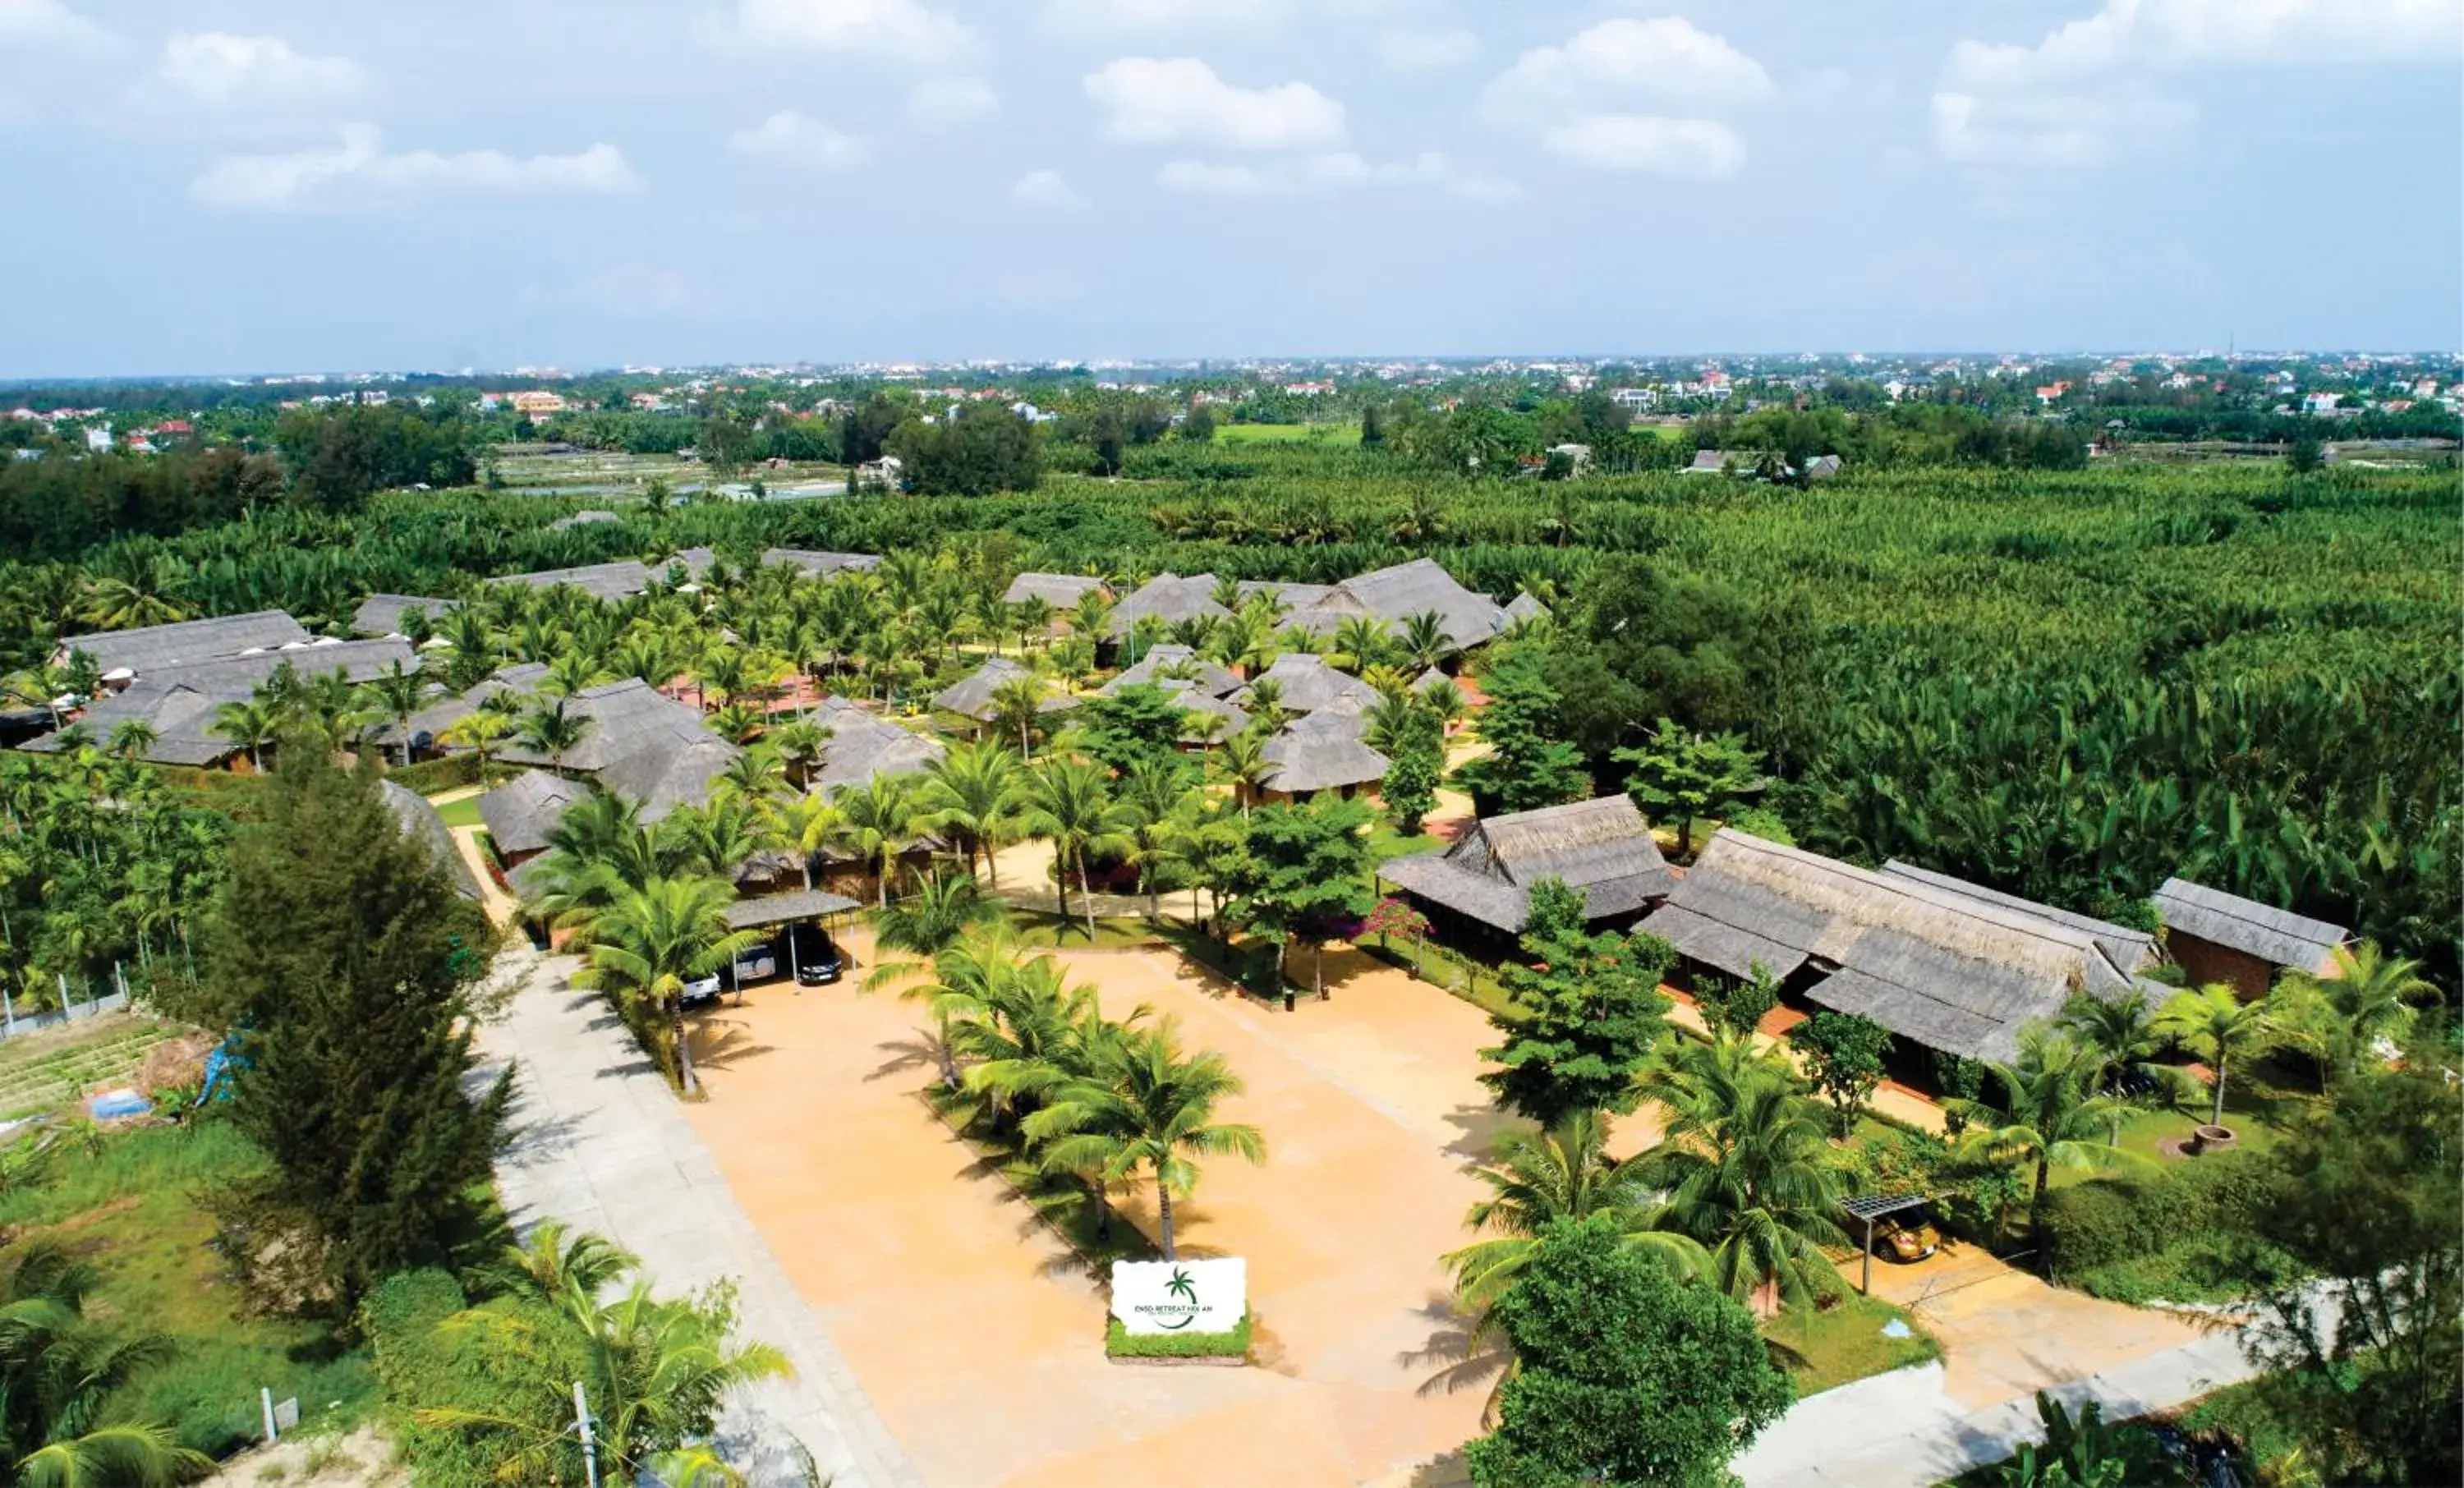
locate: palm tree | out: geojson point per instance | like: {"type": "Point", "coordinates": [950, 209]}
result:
{"type": "Point", "coordinates": [131, 738]}
{"type": "Point", "coordinates": [654, 1371]}
{"type": "Point", "coordinates": [809, 825]}
{"type": "Point", "coordinates": [149, 596]}
{"type": "Point", "coordinates": [2213, 1023]}
{"type": "Point", "coordinates": [479, 730]}
{"type": "Point", "coordinates": [57, 1370]}
{"type": "Point", "coordinates": [2049, 1115]}
{"type": "Point", "coordinates": [1748, 1166]}
{"type": "Point", "coordinates": [1359, 641]}
{"type": "Point", "coordinates": [1070, 803]}
{"type": "Point", "coordinates": [1017, 704]}
{"type": "Point", "coordinates": [2369, 1000]}
{"type": "Point", "coordinates": [1148, 1111]}
{"type": "Point", "coordinates": [1425, 641]}
{"type": "Point", "coordinates": [397, 691]}
{"type": "Point", "coordinates": [757, 775]}
{"type": "Point", "coordinates": [248, 724]}
{"type": "Point", "coordinates": [551, 728]}
{"type": "Point", "coordinates": [1151, 796]}
{"type": "Point", "coordinates": [1241, 760]}
{"type": "Point", "coordinates": [646, 944]}
{"type": "Point", "coordinates": [879, 818]}
{"type": "Point", "coordinates": [2120, 1042]}
{"type": "Point", "coordinates": [801, 745]}
{"type": "Point", "coordinates": [1562, 1173]}
{"type": "Point", "coordinates": [979, 792]}
{"type": "Point", "coordinates": [931, 920]}
{"type": "Point", "coordinates": [1030, 617]}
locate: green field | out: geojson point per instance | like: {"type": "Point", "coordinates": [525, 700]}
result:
{"type": "Point", "coordinates": [1331, 435]}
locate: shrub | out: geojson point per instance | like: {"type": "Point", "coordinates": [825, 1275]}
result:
{"type": "Point", "coordinates": [2106, 1220]}
{"type": "Point", "coordinates": [1122, 1344]}
{"type": "Point", "coordinates": [431, 775]}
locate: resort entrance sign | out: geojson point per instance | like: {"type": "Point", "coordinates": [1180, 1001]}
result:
{"type": "Point", "coordinates": [1180, 1295]}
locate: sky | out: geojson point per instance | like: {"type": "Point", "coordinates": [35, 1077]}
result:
{"type": "Point", "coordinates": [241, 187]}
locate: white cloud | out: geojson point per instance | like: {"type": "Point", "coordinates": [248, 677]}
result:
{"type": "Point", "coordinates": [1124, 17]}
{"type": "Point", "coordinates": [2072, 98]}
{"type": "Point", "coordinates": [1425, 51]}
{"type": "Point", "coordinates": [939, 103]}
{"type": "Point", "coordinates": [1433, 167]}
{"type": "Point", "coordinates": [1181, 101]}
{"type": "Point", "coordinates": [900, 30]}
{"type": "Point", "coordinates": [789, 138]}
{"type": "Point", "coordinates": [1620, 64]}
{"type": "Point", "coordinates": [49, 22]}
{"type": "Point", "coordinates": [361, 173]}
{"type": "Point", "coordinates": [1697, 149]}
{"type": "Point", "coordinates": [1044, 188]}
{"type": "Point", "coordinates": [1306, 174]}
{"type": "Point", "coordinates": [221, 70]}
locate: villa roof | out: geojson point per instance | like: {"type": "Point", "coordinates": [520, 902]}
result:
{"type": "Point", "coordinates": [1307, 684]}
{"type": "Point", "coordinates": [382, 614]}
{"type": "Point", "coordinates": [520, 813]}
{"type": "Point", "coordinates": [671, 771]}
{"type": "Point", "coordinates": [624, 718]}
{"type": "Point", "coordinates": [823, 565]}
{"type": "Point", "coordinates": [421, 821]}
{"type": "Point", "coordinates": [1523, 606]}
{"type": "Point", "coordinates": [2274, 935]}
{"type": "Point", "coordinates": [972, 696]}
{"type": "Point", "coordinates": [1397, 592]}
{"type": "Point", "coordinates": [1602, 848]}
{"type": "Point", "coordinates": [425, 726]}
{"type": "Point", "coordinates": [150, 647]}
{"type": "Point", "coordinates": [1209, 677]}
{"type": "Point", "coordinates": [1321, 753]}
{"type": "Point", "coordinates": [861, 746]}
{"type": "Point", "coordinates": [1061, 591]}
{"type": "Point", "coordinates": [2127, 948]}
{"type": "Point", "coordinates": [179, 702]}
{"type": "Point", "coordinates": [600, 580]}
{"type": "Point", "coordinates": [1951, 969]}
{"type": "Point", "coordinates": [1169, 598]}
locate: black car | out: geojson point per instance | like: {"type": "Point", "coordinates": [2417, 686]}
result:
{"type": "Point", "coordinates": [818, 962]}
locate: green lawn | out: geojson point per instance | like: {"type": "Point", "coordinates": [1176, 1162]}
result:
{"type": "Point", "coordinates": [460, 813]}
{"type": "Point", "coordinates": [1044, 929]}
{"type": "Point", "coordinates": [2261, 1103]}
{"type": "Point", "coordinates": [1831, 1348]}
{"type": "Point", "coordinates": [1385, 843]}
{"type": "Point", "coordinates": [1288, 433]}
{"type": "Point", "coordinates": [135, 1209]}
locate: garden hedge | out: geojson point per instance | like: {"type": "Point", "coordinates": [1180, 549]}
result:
{"type": "Point", "coordinates": [2108, 1219]}
{"type": "Point", "coordinates": [1121, 1343]}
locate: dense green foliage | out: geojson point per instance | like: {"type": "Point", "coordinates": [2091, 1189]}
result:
{"type": "Point", "coordinates": [1628, 1374]}
{"type": "Point", "coordinates": [1591, 1010]}
{"type": "Point", "coordinates": [2108, 1219]}
{"type": "Point", "coordinates": [1122, 1344]}
{"type": "Point", "coordinates": [337, 958]}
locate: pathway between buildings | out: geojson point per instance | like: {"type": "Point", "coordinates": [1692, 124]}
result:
{"type": "Point", "coordinates": [600, 1144]}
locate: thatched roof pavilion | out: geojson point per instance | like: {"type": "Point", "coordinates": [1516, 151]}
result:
{"type": "Point", "coordinates": [1602, 848]}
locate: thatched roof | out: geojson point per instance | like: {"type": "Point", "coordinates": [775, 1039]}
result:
{"type": "Point", "coordinates": [1523, 606]}
{"type": "Point", "coordinates": [1308, 684]}
{"type": "Point", "coordinates": [1602, 848]}
{"type": "Point", "coordinates": [803, 904]}
{"type": "Point", "coordinates": [821, 565]}
{"type": "Point", "coordinates": [151, 648]}
{"type": "Point", "coordinates": [972, 696]}
{"type": "Point", "coordinates": [179, 702]}
{"type": "Point", "coordinates": [2130, 950]}
{"type": "Point", "coordinates": [599, 580]}
{"type": "Point", "coordinates": [1061, 591]}
{"type": "Point", "coordinates": [1208, 677]}
{"type": "Point", "coordinates": [421, 821]}
{"type": "Point", "coordinates": [861, 746]}
{"type": "Point", "coordinates": [669, 771]}
{"type": "Point", "coordinates": [382, 614]}
{"type": "Point", "coordinates": [1186, 697]}
{"type": "Point", "coordinates": [1397, 592]}
{"type": "Point", "coordinates": [1432, 681]}
{"type": "Point", "coordinates": [1951, 970]}
{"type": "Point", "coordinates": [522, 812]}
{"type": "Point", "coordinates": [1321, 753]}
{"type": "Point", "coordinates": [2277, 937]}
{"type": "Point", "coordinates": [625, 719]}
{"type": "Point", "coordinates": [1169, 598]}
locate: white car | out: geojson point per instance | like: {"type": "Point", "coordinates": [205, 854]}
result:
{"type": "Point", "coordinates": [757, 965]}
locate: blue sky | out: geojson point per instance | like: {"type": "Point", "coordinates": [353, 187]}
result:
{"type": "Point", "coordinates": [229, 186]}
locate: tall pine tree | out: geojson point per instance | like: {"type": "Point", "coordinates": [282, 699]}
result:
{"type": "Point", "coordinates": [340, 959]}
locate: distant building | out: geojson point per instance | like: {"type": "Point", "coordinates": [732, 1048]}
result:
{"type": "Point", "coordinates": [534, 403]}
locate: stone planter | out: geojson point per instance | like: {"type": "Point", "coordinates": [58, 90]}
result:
{"type": "Point", "coordinates": [2205, 1139]}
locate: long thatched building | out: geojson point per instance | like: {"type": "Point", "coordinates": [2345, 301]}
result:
{"type": "Point", "coordinates": [1601, 849]}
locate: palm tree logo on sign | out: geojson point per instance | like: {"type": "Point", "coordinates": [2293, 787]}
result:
{"type": "Point", "coordinates": [1182, 1286]}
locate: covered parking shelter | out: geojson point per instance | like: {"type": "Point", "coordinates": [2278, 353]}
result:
{"type": "Point", "coordinates": [797, 909]}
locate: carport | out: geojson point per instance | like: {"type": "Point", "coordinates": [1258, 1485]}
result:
{"type": "Point", "coordinates": [796, 909]}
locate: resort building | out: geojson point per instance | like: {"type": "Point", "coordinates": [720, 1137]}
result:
{"type": "Point", "coordinates": [1602, 848]}
{"type": "Point", "coordinates": [2221, 937]}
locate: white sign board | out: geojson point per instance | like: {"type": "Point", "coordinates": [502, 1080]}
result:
{"type": "Point", "coordinates": [1180, 1295]}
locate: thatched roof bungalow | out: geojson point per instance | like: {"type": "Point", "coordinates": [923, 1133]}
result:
{"type": "Point", "coordinates": [861, 746]}
{"type": "Point", "coordinates": [1956, 970]}
{"type": "Point", "coordinates": [2221, 937]}
{"type": "Point", "coordinates": [520, 813]}
{"type": "Point", "coordinates": [602, 581]}
{"type": "Point", "coordinates": [382, 614]}
{"type": "Point", "coordinates": [1602, 848]}
{"type": "Point", "coordinates": [1321, 752]}
{"type": "Point", "coordinates": [1061, 591]}
{"type": "Point", "coordinates": [815, 564]}
{"type": "Point", "coordinates": [1165, 664]}
{"type": "Point", "coordinates": [1170, 598]}
{"type": "Point", "coordinates": [622, 720]}
{"type": "Point", "coordinates": [1397, 592]}
{"type": "Point", "coordinates": [179, 702]}
{"type": "Point", "coordinates": [972, 696]}
{"type": "Point", "coordinates": [1306, 684]}
{"type": "Point", "coordinates": [146, 648]}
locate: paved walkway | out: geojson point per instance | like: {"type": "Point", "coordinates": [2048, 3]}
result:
{"type": "Point", "coordinates": [602, 1145]}
{"type": "Point", "coordinates": [499, 906]}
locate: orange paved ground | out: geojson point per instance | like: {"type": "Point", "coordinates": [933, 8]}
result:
{"type": "Point", "coordinates": [974, 1331]}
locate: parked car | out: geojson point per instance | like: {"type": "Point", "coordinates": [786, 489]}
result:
{"type": "Point", "coordinates": [818, 962]}
{"type": "Point", "coordinates": [1905, 1243]}
{"type": "Point", "coordinates": [758, 964]}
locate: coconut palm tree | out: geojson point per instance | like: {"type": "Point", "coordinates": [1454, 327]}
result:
{"type": "Point", "coordinates": [1748, 1166]}
{"type": "Point", "coordinates": [149, 593]}
{"type": "Point", "coordinates": [397, 691]}
{"type": "Point", "coordinates": [131, 738]}
{"type": "Point", "coordinates": [645, 944]}
{"type": "Point", "coordinates": [1425, 641]}
{"type": "Point", "coordinates": [1017, 707]}
{"type": "Point", "coordinates": [57, 1373]}
{"type": "Point", "coordinates": [1359, 643]}
{"type": "Point", "coordinates": [809, 825]}
{"type": "Point", "coordinates": [2049, 1114]}
{"type": "Point", "coordinates": [1561, 1173]}
{"type": "Point", "coordinates": [479, 730]}
{"type": "Point", "coordinates": [979, 793]}
{"type": "Point", "coordinates": [1240, 759]}
{"type": "Point", "coordinates": [248, 724]}
{"type": "Point", "coordinates": [2120, 1042]}
{"type": "Point", "coordinates": [801, 745]}
{"type": "Point", "coordinates": [1022, 1038]}
{"type": "Point", "coordinates": [1147, 1111]}
{"type": "Point", "coordinates": [938, 915]}
{"type": "Point", "coordinates": [758, 775]}
{"type": "Point", "coordinates": [2214, 1023]}
{"type": "Point", "coordinates": [1069, 803]}
{"type": "Point", "coordinates": [1152, 795]}
{"type": "Point", "coordinates": [550, 727]}
{"type": "Point", "coordinates": [2371, 1000]}
{"type": "Point", "coordinates": [1029, 618]}
{"type": "Point", "coordinates": [879, 818]}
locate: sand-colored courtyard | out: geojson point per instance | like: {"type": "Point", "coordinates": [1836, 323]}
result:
{"type": "Point", "coordinates": [977, 1334]}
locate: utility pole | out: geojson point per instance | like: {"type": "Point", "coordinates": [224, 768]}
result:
{"type": "Point", "coordinates": [582, 1424]}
